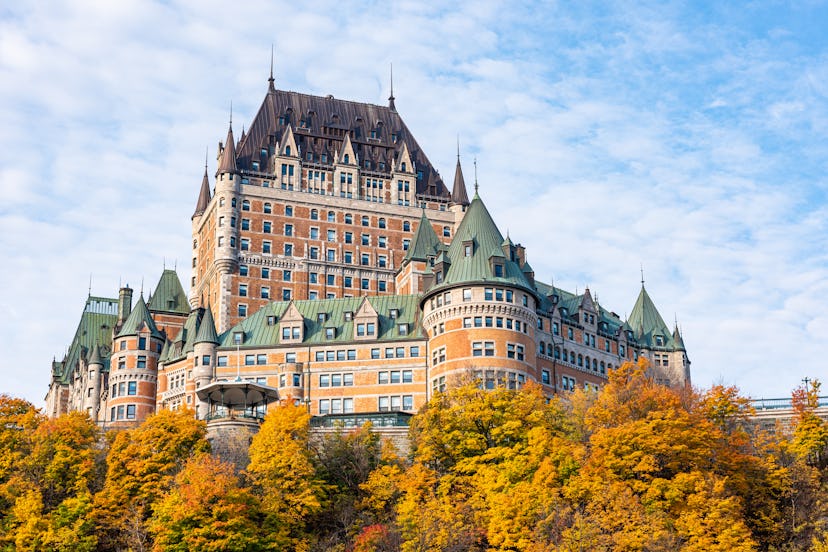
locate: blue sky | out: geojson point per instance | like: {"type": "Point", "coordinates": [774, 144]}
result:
{"type": "Point", "coordinates": [687, 137]}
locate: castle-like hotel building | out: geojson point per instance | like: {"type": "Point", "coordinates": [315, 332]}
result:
{"type": "Point", "coordinates": [332, 267]}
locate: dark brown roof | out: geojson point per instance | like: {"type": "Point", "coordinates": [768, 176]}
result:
{"type": "Point", "coordinates": [203, 195]}
{"type": "Point", "coordinates": [458, 194]}
{"type": "Point", "coordinates": [319, 124]}
{"type": "Point", "coordinates": [227, 163]}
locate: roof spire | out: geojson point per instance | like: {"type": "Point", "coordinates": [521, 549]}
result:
{"type": "Point", "coordinates": [270, 86]}
{"type": "Point", "coordinates": [204, 195]}
{"type": "Point", "coordinates": [231, 113]}
{"type": "Point", "coordinates": [642, 275]}
{"type": "Point", "coordinates": [458, 193]}
{"type": "Point", "coordinates": [391, 105]}
{"type": "Point", "coordinates": [476, 186]}
{"type": "Point", "coordinates": [90, 285]}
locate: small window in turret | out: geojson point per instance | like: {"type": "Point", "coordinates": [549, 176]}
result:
{"type": "Point", "coordinates": [498, 271]}
{"type": "Point", "coordinates": [142, 343]}
{"type": "Point", "coordinates": [659, 340]}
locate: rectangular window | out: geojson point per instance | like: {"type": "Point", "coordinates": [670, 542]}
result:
{"type": "Point", "coordinates": [267, 227]}
{"type": "Point", "coordinates": [324, 406]}
{"type": "Point", "coordinates": [242, 290]}
{"type": "Point", "coordinates": [265, 292]}
{"type": "Point", "coordinates": [477, 348]}
{"type": "Point", "coordinates": [320, 356]}
{"type": "Point", "coordinates": [375, 353]}
{"type": "Point", "coordinates": [347, 406]}
{"type": "Point", "coordinates": [290, 357]}
{"type": "Point", "coordinates": [414, 351]}
{"type": "Point", "coordinates": [297, 380]}
{"type": "Point", "coordinates": [132, 388]}
{"type": "Point", "coordinates": [130, 411]}
{"type": "Point", "coordinates": [288, 250]}
{"type": "Point", "coordinates": [142, 362]}
{"type": "Point", "coordinates": [266, 246]}
{"type": "Point", "coordinates": [242, 310]}
{"type": "Point", "coordinates": [382, 377]}
{"type": "Point", "coordinates": [467, 294]}
{"type": "Point", "coordinates": [222, 361]}
{"type": "Point", "coordinates": [288, 229]}
{"type": "Point", "coordinates": [261, 359]}
{"type": "Point", "coordinates": [408, 402]}
{"type": "Point", "coordinates": [324, 380]}
{"type": "Point", "coordinates": [383, 404]}
{"type": "Point", "coordinates": [336, 380]}
{"type": "Point", "coordinates": [142, 343]}
{"type": "Point", "coordinates": [347, 379]}
{"type": "Point", "coordinates": [249, 360]}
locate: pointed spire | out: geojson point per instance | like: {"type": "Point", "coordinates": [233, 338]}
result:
{"type": "Point", "coordinates": [207, 330]}
{"type": "Point", "coordinates": [270, 86]}
{"type": "Point", "coordinates": [425, 243]}
{"type": "Point", "coordinates": [227, 163]}
{"type": "Point", "coordinates": [458, 193]}
{"type": "Point", "coordinates": [139, 318]}
{"type": "Point", "coordinates": [204, 195]}
{"type": "Point", "coordinates": [476, 187]}
{"type": "Point", "coordinates": [95, 356]}
{"type": "Point", "coordinates": [391, 105]}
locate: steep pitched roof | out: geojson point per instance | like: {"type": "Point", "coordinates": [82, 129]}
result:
{"type": "Point", "coordinates": [646, 322]}
{"type": "Point", "coordinates": [169, 295]}
{"type": "Point", "coordinates": [458, 193]}
{"type": "Point", "coordinates": [99, 316]}
{"type": "Point", "coordinates": [138, 318]}
{"type": "Point", "coordinates": [207, 329]}
{"type": "Point", "coordinates": [332, 119]}
{"type": "Point", "coordinates": [227, 163]}
{"type": "Point", "coordinates": [203, 196]}
{"type": "Point", "coordinates": [95, 355]}
{"type": "Point", "coordinates": [426, 243]}
{"type": "Point", "coordinates": [487, 242]}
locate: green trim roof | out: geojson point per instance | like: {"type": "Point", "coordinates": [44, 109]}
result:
{"type": "Point", "coordinates": [258, 333]}
{"type": "Point", "coordinates": [426, 243]}
{"type": "Point", "coordinates": [479, 228]}
{"type": "Point", "coordinates": [647, 323]}
{"type": "Point", "coordinates": [138, 318]}
{"type": "Point", "coordinates": [207, 329]}
{"type": "Point", "coordinates": [169, 295]}
{"type": "Point", "coordinates": [94, 329]}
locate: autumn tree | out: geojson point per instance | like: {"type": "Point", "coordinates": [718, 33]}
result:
{"type": "Point", "coordinates": [207, 510]}
{"type": "Point", "coordinates": [282, 472]}
{"type": "Point", "coordinates": [141, 467]}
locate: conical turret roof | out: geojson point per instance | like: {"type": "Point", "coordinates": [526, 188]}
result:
{"type": "Point", "coordinates": [227, 163]}
{"type": "Point", "coordinates": [203, 196]}
{"type": "Point", "coordinates": [477, 265]}
{"type": "Point", "coordinates": [138, 318]}
{"type": "Point", "coordinates": [646, 322]}
{"type": "Point", "coordinates": [169, 295]}
{"type": "Point", "coordinates": [426, 243]}
{"type": "Point", "coordinates": [95, 356]}
{"type": "Point", "coordinates": [207, 329]}
{"type": "Point", "coordinates": [458, 193]}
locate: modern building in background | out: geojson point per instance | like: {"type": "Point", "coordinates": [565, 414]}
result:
{"type": "Point", "coordinates": [333, 267]}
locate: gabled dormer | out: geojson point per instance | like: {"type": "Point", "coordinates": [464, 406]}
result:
{"type": "Point", "coordinates": [287, 145]}
{"type": "Point", "coordinates": [347, 155]}
{"type": "Point", "coordinates": [292, 325]}
{"type": "Point", "coordinates": [403, 164]}
{"type": "Point", "coordinates": [587, 310]}
{"type": "Point", "coordinates": [366, 321]}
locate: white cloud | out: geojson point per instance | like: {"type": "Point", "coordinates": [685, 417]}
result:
{"type": "Point", "coordinates": [688, 141]}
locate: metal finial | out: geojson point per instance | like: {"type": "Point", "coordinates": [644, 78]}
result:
{"type": "Point", "coordinates": [175, 265]}
{"type": "Point", "coordinates": [90, 284]}
{"type": "Point", "coordinates": [163, 263]}
{"type": "Point", "coordinates": [206, 156]}
{"type": "Point", "coordinates": [231, 113]}
{"type": "Point", "coordinates": [142, 286]}
{"type": "Point", "coordinates": [392, 81]}
{"type": "Point", "coordinates": [271, 63]}
{"type": "Point", "coordinates": [458, 147]}
{"type": "Point", "coordinates": [642, 274]}
{"type": "Point", "coordinates": [476, 186]}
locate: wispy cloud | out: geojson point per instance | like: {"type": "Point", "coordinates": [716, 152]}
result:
{"type": "Point", "coordinates": [686, 137]}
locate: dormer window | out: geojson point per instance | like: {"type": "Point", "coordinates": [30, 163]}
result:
{"type": "Point", "coordinates": [659, 340]}
{"type": "Point", "coordinates": [321, 317]}
{"type": "Point", "coordinates": [402, 166]}
{"type": "Point", "coordinates": [271, 320]}
{"type": "Point", "coordinates": [394, 313]}
{"type": "Point", "coordinates": [238, 338]}
{"type": "Point", "coordinates": [498, 270]}
{"type": "Point", "coordinates": [330, 333]}
{"type": "Point", "coordinates": [346, 159]}
{"type": "Point", "coordinates": [402, 329]}
{"type": "Point", "coordinates": [287, 150]}
{"type": "Point", "coordinates": [349, 315]}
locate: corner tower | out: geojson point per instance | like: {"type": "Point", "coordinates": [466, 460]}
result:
{"type": "Point", "coordinates": [480, 310]}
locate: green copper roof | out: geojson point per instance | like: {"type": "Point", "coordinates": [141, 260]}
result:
{"type": "Point", "coordinates": [479, 229]}
{"type": "Point", "coordinates": [647, 323]}
{"type": "Point", "coordinates": [95, 355]}
{"type": "Point", "coordinates": [169, 295]}
{"type": "Point", "coordinates": [139, 317]}
{"type": "Point", "coordinates": [94, 329]}
{"type": "Point", "coordinates": [426, 243]}
{"type": "Point", "coordinates": [258, 332]}
{"type": "Point", "coordinates": [207, 329]}
{"type": "Point", "coordinates": [165, 351]}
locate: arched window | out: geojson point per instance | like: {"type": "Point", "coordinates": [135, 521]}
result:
{"type": "Point", "coordinates": [245, 205]}
{"type": "Point", "coordinates": [580, 360]}
{"type": "Point", "coordinates": [268, 208]}
{"type": "Point", "coordinates": [402, 166]}
{"type": "Point", "coordinates": [346, 159]}
{"type": "Point", "coordinates": [542, 348]}
{"type": "Point", "coordinates": [287, 150]}
{"type": "Point", "coordinates": [572, 357]}
{"type": "Point", "coordinates": [381, 223]}
{"type": "Point", "coordinates": [406, 226]}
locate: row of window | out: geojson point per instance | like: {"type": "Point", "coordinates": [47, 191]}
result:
{"type": "Point", "coordinates": [395, 376]}
{"type": "Point", "coordinates": [487, 348]}
{"type": "Point", "coordinates": [495, 322]}
{"type": "Point", "coordinates": [124, 389]}
{"type": "Point", "coordinates": [141, 362]}
{"type": "Point", "coordinates": [122, 412]}
{"type": "Point", "coordinates": [395, 403]}
{"type": "Point", "coordinates": [336, 406]}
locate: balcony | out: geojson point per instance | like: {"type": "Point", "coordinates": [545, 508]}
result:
{"type": "Point", "coordinates": [377, 419]}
